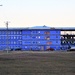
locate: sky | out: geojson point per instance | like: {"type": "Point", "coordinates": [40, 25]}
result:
{"type": "Point", "coordinates": [29, 13]}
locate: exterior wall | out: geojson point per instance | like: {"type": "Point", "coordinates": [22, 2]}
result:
{"type": "Point", "coordinates": [37, 39]}
{"type": "Point", "coordinates": [55, 39]}
{"type": "Point", "coordinates": [67, 39]}
{"type": "Point", "coordinates": [33, 40]}
{"type": "Point", "coordinates": [40, 39]}
{"type": "Point", "coordinates": [30, 39]}
{"type": "Point", "coordinates": [13, 39]}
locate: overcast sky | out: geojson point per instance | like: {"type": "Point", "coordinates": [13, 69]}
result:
{"type": "Point", "coordinates": [28, 13]}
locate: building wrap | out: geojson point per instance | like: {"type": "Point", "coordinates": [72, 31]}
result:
{"type": "Point", "coordinates": [37, 38]}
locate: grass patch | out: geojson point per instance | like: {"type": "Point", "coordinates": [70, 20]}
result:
{"type": "Point", "coordinates": [57, 63]}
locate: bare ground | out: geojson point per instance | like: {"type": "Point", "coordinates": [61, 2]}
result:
{"type": "Point", "coordinates": [37, 63]}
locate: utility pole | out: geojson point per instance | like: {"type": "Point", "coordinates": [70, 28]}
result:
{"type": "Point", "coordinates": [7, 39]}
{"type": "Point", "coordinates": [1, 5]}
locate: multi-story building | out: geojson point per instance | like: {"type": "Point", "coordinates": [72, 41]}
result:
{"type": "Point", "coordinates": [11, 39]}
{"type": "Point", "coordinates": [36, 38]}
{"type": "Point", "coordinates": [40, 39]}
{"type": "Point", "coordinates": [67, 38]}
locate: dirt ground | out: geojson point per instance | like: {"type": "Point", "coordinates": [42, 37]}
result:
{"type": "Point", "coordinates": [37, 63]}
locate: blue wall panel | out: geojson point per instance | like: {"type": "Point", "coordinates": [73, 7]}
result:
{"type": "Point", "coordinates": [54, 36]}
{"type": "Point", "coordinates": [55, 32]}
{"type": "Point", "coordinates": [29, 39]}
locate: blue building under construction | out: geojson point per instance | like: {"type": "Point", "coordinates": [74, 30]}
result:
{"type": "Point", "coordinates": [39, 38]}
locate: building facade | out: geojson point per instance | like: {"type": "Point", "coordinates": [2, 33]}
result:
{"type": "Point", "coordinates": [36, 38]}
{"type": "Point", "coordinates": [67, 38]}
{"type": "Point", "coordinates": [11, 39]}
{"type": "Point", "coordinates": [40, 39]}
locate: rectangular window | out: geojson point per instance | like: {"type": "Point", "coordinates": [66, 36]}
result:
{"type": "Point", "coordinates": [1, 37]}
{"type": "Point", "coordinates": [74, 37]}
{"type": "Point", "coordinates": [8, 37]}
{"type": "Point", "coordinates": [0, 32]}
{"type": "Point", "coordinates": [11, 37]}
{"type": "Point", "coordinates": [17, 37]}
{"type": "Point", "coordinates": [48, 43]}
{"type": "Point", "coordinates": [56, 31]}
{"type": "Point", "coordinates": [14, 37]}
{"type": "Point", "coordinates": [8, 32]}
{"type": "Point", "coordinates": [14, 42]}
{"type": "Point", "coordinates": [47, 32]}
{"type": "Point", "coordinates": [56, 36]}
{"type": "Point", "coordinates": [17, 32]}
{"type": "Point", "coordinates": [14, 32]}
{"type": "Point", "coordinates": [11, 42]}
{"type": "Point", "coordinates": [56, 41]}
{"type": "Point", "coordinates": [20, 37]}
{"type": "Point", "coordinates": [20, 32]}
{"type": "Point", "coordinates": [38, 37]}
{"type": "Point", "coordinates": [47, 37]}
{"type": "Point", "coordinates": [3, 32]}
{"type": "Point", "coordinates": [38, 42]}
{"type": "Point", "coordinates": [20, 42]}
{"type": "Point", "coordinates": [34, 37]}
{"type": "Point", "coordinates": [38, 31]}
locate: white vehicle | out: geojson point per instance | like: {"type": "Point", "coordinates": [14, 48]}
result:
{"type": "Point", "coordinates": [71, 49]}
